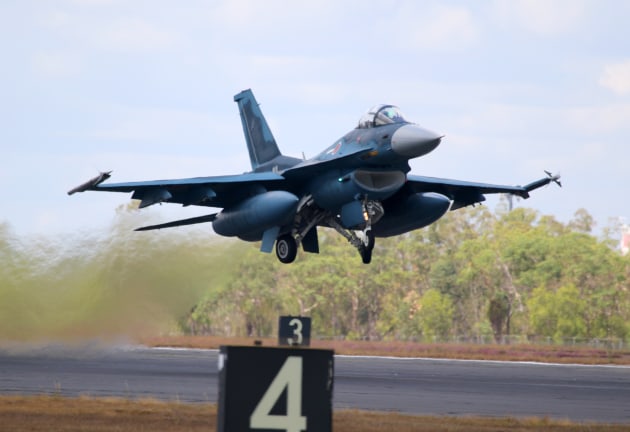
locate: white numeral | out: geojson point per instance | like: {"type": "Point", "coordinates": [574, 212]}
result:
{"type": "Point", "coordinates": [289, 377]}
{"type": "Point", "coordinates": [297, 331]}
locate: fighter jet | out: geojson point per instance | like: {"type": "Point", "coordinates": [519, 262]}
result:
{"type": "Point", "coordinates": [359, 186]}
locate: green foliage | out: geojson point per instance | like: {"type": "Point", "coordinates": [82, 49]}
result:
{"type": "Point", "coordinates": [473, 273]}
{"type": "Point", "coordinates": [435, 314]}
{"type": "Point", "coordinates": [559, 314]}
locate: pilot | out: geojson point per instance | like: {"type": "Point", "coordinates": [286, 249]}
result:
{"type": "Point", "coordinates": [393, 114]}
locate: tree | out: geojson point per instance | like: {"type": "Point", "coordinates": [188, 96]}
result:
{"type": "Point", "coordinates": [470, 273]}
{"type": "Point", "coordinates": [542, 312]}
{"type": "Point", "coordinates": [498, 314]}
{"type": "Point", "coordinates": [570, 309]}
{"type": "Point", "coordinates": [435, 314]}
{"type": "Point", "coordinates": [254, 294]}
{"type": "Point", "coordinates": [558, 314]}
{"type": "Point", "coordinates": [582, 221]}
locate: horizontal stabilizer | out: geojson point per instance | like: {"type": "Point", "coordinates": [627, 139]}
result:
{"type": "Point", "coordinates": [191, 221]}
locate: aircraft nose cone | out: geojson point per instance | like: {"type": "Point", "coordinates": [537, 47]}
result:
{"type": "Point", "coordinates": [413, 141]}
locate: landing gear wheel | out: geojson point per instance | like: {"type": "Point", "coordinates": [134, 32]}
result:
{"type": "Point", "coordinates": [366, 255]}
{"type": "Point", "coordinates": [286, 249]}
{"type": "Point", "coordinates": [366, 250]}
{"type": "Point", "coordinates": [370, 239]}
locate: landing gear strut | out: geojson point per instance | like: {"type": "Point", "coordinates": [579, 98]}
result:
{"type": "Point", "coordinates": [364, 241]}
{"type": "Point", "coordinates": [309, 215]}
{"type": "Point", "coordinates": [286, 248]}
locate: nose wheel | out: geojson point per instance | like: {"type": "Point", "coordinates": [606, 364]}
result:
{"type": "Point", "coordinates": [366, 248]}
{"type": "Point", "coordinates": [286, 249]}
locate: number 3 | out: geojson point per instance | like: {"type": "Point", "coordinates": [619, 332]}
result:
{"type": "Point", "coordinates": [297, 332]}
{"type": "Point", "coordinates": [289, 377]}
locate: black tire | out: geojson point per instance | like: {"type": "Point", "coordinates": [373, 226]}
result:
{"type": "Point", "coordinates": [366, 255]}
{"type": "Point", "coordinates": [286, 249]}
{"type": "Point", "coordinates": [366, 250]}
{"type": "Point", "coordinates": [371, 240]}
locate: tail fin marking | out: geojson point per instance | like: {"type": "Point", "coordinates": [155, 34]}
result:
{"type": "Point", "coordinates": [261, 144]}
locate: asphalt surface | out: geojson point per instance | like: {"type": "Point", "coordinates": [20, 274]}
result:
{"type": "Point", "coordinates": [414, 386]}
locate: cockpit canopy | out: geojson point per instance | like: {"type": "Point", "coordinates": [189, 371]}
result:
{"type": "Point", "coordinates": [380, 115]}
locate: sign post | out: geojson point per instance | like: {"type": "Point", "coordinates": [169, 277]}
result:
{"type": "Point", "coordinates": [275, 389]}
{"type": "Point", "coordinates": [294, 331]}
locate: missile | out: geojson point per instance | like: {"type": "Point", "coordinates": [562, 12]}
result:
{"type": "Point", "coordinates": [91, 183]}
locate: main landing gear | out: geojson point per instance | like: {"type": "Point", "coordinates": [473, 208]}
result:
{"type": "Point", "coordinates": [286, 248]}
{"type": "Point", "coordinates": [309, 216]}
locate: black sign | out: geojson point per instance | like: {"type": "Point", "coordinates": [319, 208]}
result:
{"type": "Point", "coordinates": [269, 389]}
{"type": "Point", "coordinates": [294, 331]}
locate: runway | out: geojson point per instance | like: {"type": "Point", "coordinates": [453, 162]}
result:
{"type": "Point", "coordinates": [414, 386]}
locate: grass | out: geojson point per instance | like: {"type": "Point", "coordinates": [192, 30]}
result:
{"type": "Point", "coordinates": [59, 414]}
{"type": "Point", "coordinates": [517, 352]}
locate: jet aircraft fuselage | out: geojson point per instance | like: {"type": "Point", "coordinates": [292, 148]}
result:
{"type": "Point", "coordinates": [359, 186]}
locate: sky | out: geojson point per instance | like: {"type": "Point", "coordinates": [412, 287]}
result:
{"type": "Point", "coordinates": [145, 88]}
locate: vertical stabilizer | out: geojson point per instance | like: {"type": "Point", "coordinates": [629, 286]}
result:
{"type": "Point", "coordinates": [260, 141]}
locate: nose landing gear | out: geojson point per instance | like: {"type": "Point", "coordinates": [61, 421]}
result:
{"type": "Point", "coordinates": [365, 249]}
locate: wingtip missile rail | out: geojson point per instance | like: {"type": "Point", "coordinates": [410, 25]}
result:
{"type": "Point", "coordinates": [543, 182]}
{"type": "Point", "coordinates": [91, 183]}
{"type": "Point", "coordinates": [554, 178]}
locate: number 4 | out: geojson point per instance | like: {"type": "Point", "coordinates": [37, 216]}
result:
{"type": "Point", "coordinates": [289, 377]}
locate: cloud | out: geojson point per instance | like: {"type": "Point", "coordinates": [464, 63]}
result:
{"type": "Point", "coordinates": [94, 2]}
{"type": "Point", "coordinates": [312, 88]}
{"type": "Point", "coordinates": [245, 24]}
{"type": "Point", "coordinates": [616, 77]}
{"type": "Point", "coordinates": [163, 128]}
{"type": "Point", "coordinates": [294, 63]}
{"type": "Point", "coordinates": [542, 17]}
{"type": "Point", "coordinates": [440, 28]}
{"type": "Point", "coordinates": [136, 35]}
{"type": "Point", "coordinates": [606, 119]}
{"type": "Point", "coordinates": [320, 93]}
{"type": "Point", "coordinates": [272, 15]}
{"type": "Point", "coordinates": [56, 19]}
{"type": "Point", "coordinates": [56, 64]}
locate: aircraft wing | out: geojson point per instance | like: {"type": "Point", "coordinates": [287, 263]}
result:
{"type": "Point", "coordinates": [465, 193]}
{"type": "Point", "coordinates": [218, 191]}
